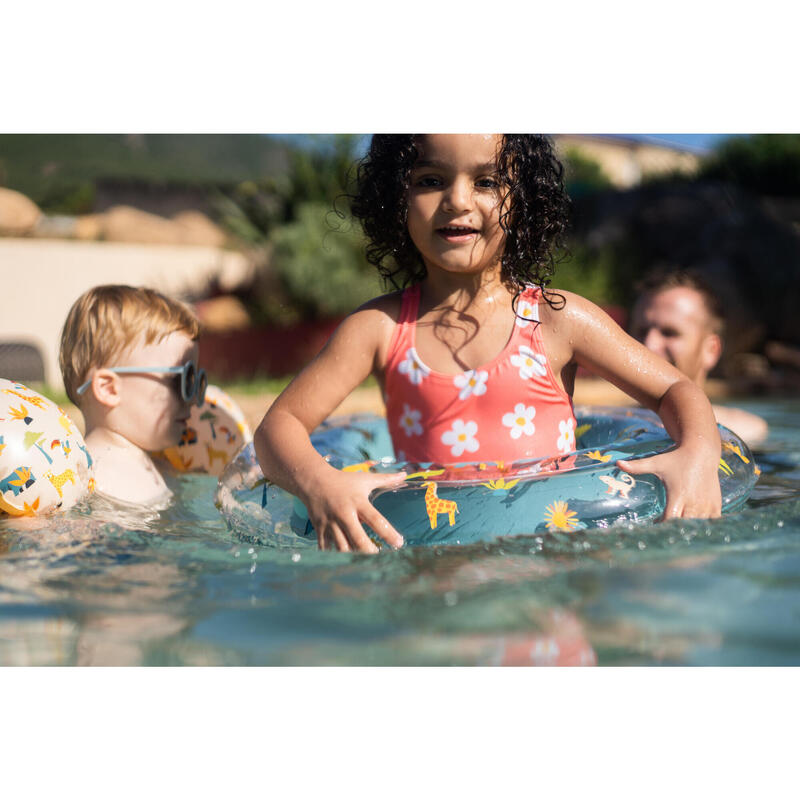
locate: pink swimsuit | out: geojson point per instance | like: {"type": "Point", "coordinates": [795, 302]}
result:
{"type": "Point", "coordinates": [512, 408]}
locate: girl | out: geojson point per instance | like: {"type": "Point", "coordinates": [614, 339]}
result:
{"type": "Point", "coordinates": [476, 357]}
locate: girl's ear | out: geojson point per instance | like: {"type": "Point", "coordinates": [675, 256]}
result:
{"type": "Point", "coordinates": [107, 388]}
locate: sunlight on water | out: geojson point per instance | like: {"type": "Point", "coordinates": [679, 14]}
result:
{"type": "Point", "coordinates": [177, 587]}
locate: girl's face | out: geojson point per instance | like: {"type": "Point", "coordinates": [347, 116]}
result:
{"type": "Point", "coordinates": [454, 202]}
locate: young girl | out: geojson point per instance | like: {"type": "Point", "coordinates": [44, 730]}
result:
{"type": "Point", "coordinates": [476, 357]}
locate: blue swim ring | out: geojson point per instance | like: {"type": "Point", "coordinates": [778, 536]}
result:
{"type": "Point", "coordinates": [478, 501]}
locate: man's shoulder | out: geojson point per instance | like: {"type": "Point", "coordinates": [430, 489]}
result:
{"type": "Point", "coordinates": [748, 426]}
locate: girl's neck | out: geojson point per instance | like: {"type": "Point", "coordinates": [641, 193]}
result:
{"type": "Point", "coordinates": [441, 288]}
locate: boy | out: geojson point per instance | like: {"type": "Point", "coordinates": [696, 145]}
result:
{"type": "Point", "coordinates": [128, 358]}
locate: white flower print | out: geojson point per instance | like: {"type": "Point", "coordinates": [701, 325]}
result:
{"type": "Point", "coordinates": [461, 437]}
{"type": "Point", "coordinates": [409, 421]}
{"type": "Point", "coordinates": [529, 363]}
{"type": "Point", "coordinates": [413, 367]}
{"type": "Point", "coordinates": [471, 382]}
{"type": "Point", "coordinates": [566, 436]}
{"type": "Point", "coordinates": [520, 420]}
{"type": "Point", "coordinates": [526, 313]}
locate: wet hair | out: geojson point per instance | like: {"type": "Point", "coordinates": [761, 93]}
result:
{"type": "Point", "coordinates": [105, 320]}
{"type": "Point", "coordinates": [533, 212]}
{"type": "Point", "coordinates": [664, 277]}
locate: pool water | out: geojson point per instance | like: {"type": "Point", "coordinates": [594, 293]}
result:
{"type": "Point", "coordinates": [176, 587]}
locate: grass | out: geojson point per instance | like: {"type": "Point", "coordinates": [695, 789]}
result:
{"type": "Point", "coordinates": [257, 386]}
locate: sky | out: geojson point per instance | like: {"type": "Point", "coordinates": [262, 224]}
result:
{"type": "Point", "coordinates": [696, 142]}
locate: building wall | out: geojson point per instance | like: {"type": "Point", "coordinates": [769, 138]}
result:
{"type": "Point", "coordinates": [41, 279]}
{"type": "Point", "coordinates": [626, 161]}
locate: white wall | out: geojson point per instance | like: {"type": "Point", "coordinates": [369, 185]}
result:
{"type": "Point", "coordinates": [41, 279]}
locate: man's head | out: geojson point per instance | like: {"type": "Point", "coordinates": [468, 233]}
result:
{"type": "Point", "coordinates": [679, 317]}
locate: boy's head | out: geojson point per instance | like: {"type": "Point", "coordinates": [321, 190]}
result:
{"type": "Point", "coordinates": [679, 317]}
{"type": "Point", "coordinates": [533, 206]}
{"type": "Point", "coordinates": [122, 326]}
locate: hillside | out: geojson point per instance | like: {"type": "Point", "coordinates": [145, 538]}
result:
{"type": "Point", "coordinates": [57, 170]}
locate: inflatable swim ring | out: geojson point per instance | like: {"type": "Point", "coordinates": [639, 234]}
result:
{"type": "Point", "coordinates": [44, 463]}
{"type": "Point", "coordinates": [469, 502]}
{"type": "Point", "coordinates": [214, 433]}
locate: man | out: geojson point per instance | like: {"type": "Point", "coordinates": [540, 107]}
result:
{"type": "Point", "coordinates": [679, 317]}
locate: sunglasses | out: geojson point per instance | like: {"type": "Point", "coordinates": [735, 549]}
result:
{"type": "Point", "coordinates": [193, 381]}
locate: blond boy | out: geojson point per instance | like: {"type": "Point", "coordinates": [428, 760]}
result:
{"type": "Point", "coordinates": [129, 361]}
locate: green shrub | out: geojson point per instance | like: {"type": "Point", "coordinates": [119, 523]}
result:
{"type": "Point", "coordinates": [320, 264]}
{"type": "Point", "coordinates": [766, 164]}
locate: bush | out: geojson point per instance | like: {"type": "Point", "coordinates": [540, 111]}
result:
{"type": "Point", "coordinates": [767, 164]}
{"type": "Point", "coordinates": [318, 261]}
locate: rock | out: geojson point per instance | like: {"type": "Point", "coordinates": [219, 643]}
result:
{"type": "Point", "coordinates": [127, 224]}
{"type": "Point", "coordinates": [55, 227]}
{"type": "Point", "coordinates": [199, 229]}
{"type": "Point", "coordinates": [224, 313]}
{"type": "Point", "coordinates": [89, 227]}
{"type": "Point", "coordinates": [18, 214]}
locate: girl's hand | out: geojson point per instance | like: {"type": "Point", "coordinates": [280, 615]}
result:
{"type": "Point", "coordinates": [340, 504]}
{"type": "Point", "coordinates": [690, 478]}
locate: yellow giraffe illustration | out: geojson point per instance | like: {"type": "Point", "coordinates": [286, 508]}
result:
{"type": "Point", "coordinates": [59, 480]}
{"type": "Point", "coordinates": [435, 505]}
{"type": "Point", "coordinates": [212, 454]}
{"type": "Point", "coordinates": [65, 422]}
{"type": "Point", "coordinates": [35, 400]}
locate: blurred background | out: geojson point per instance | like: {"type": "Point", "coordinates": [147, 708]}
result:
{"type": "Point", "coordinates": [253, 231]}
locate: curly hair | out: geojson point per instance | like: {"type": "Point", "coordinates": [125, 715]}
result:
{"type": "Point", "coordinates": [533, 210]}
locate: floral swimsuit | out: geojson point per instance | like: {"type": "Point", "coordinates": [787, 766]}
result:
{"type": "Point", "coordinates": [511, 408]}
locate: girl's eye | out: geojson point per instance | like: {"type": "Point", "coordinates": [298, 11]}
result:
{"type": "Point", "coordinates": [427, 181]}
{"type": "Point", "coordinates": [486, 183]}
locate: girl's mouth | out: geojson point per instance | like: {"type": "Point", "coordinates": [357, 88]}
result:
{"type": "Point", "coordinates": [457, 233]}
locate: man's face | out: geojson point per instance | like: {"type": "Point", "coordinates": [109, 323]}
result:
{"type": "Point", "coordinates": [675, 324]}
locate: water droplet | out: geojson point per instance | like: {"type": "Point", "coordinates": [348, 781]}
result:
{"type": "Point", "coordinates": [450, 599]}
{"type": "Point", "coordinates": [296, 557]}
{"type": "Point", "coordinates": [641, 545]}
{"type": "Point", "coordinates": [252, 568]}
{"type": "Point", "coordinates": [236, 554]}
{"type": "Point", "coordinates": [780, 523]}
{"type": "Point", "coordinates": [251, 550]}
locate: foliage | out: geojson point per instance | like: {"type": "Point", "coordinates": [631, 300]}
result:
{"type": "Point", "coordinates": [320, 174]}
{"type": "Point", "coordinates": [767, 164]}
{"type": "Point", "coordinates": [604, 275]}
{"type": "Point", "coordinates": [319, 261]}
{"type": "Point", "coordinates": [51, 167]}
{"type": "Point", "coordinates": [582, 174]}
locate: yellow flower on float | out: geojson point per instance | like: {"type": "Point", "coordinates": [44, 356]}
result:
{"type": "Point", "coordinates": [558, 517]}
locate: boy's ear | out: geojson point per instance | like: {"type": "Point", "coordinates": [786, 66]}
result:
{"type": "Point", "coordinates": [107, 388]}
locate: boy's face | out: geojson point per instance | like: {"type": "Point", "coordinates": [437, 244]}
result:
{"type": "Point", "coordinates": [151, 412]}
{"type": "Point", "coordinates": [454, 202]}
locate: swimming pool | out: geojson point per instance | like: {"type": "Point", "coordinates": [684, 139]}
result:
{"type": "Point", "coordinates": [175, 587]}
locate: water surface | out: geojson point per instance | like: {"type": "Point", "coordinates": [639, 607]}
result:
{"type": "Point", "coordinates": [177, 588]}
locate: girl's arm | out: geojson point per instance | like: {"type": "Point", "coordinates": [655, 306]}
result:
{"type": "Point", "coordinates": [584, 334]}
{"type": "Point", "coordinates": [337, 502]}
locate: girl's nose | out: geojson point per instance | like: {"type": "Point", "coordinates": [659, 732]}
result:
{"type": "Point", "coordinates": [458, 197]}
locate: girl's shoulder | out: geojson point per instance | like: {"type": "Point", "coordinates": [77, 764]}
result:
{"type": "Point", "coordinates": [371, 325]}
{"type": "Point", "coordinates": [386, 305]}
{"type": "Point", "coordinates": [561, 307]}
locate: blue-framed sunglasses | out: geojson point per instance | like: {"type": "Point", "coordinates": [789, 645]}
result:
{"type": "Point", "coordinates": [193, 380]}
